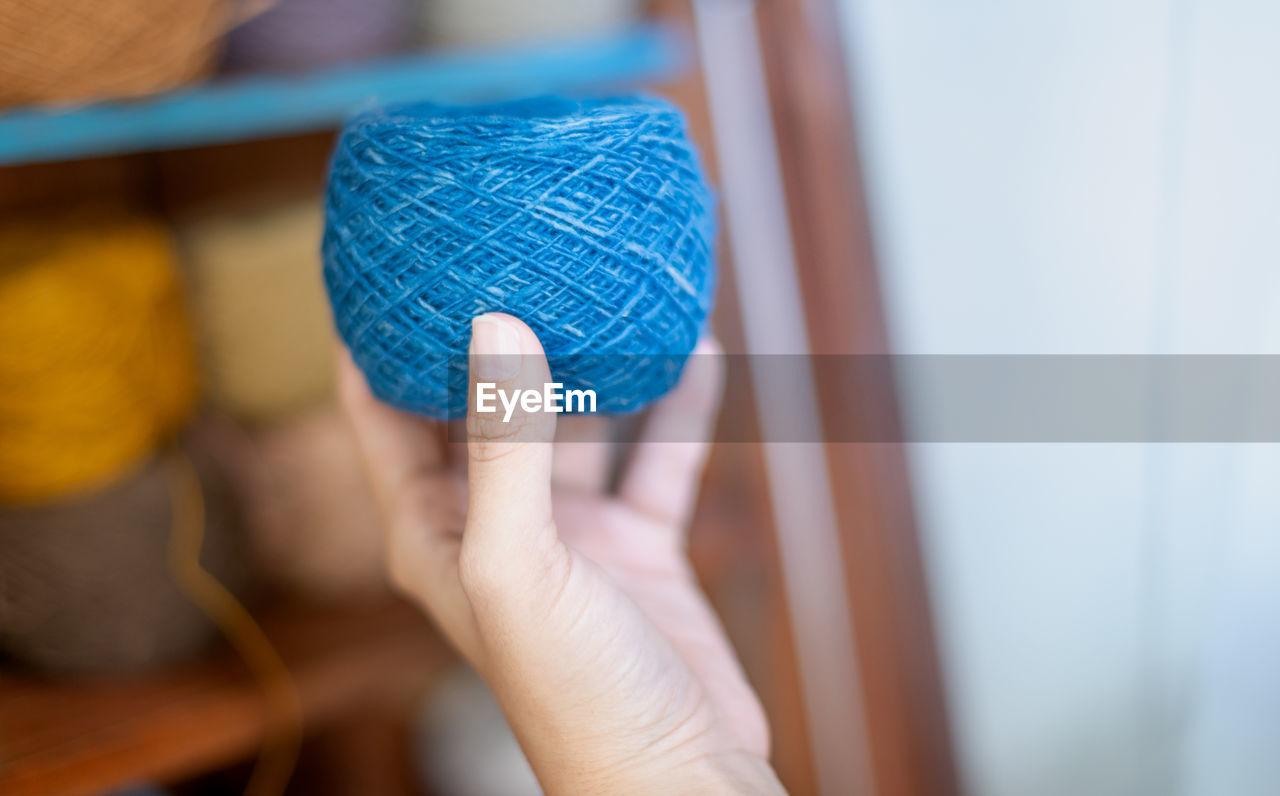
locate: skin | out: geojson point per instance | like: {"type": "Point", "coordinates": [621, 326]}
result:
{"type": "Point", "coordinates": [578, 606]}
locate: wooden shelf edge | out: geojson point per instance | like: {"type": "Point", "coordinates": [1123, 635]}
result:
{"type": "Point", "coordinates": [80, 739]}
{"type": "Point", "coordinates": [263, 106]}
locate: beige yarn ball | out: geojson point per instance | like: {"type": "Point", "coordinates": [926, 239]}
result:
{"type": "Point", "coordinates": [492, 22]}
{"type": "Point", "coordinates": [267, 339]}
{"type": "Point", "coordinates": [312, 522]}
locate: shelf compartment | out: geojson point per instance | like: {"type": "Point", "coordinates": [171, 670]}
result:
{"type": "Point", "coordinates": [237, 109]}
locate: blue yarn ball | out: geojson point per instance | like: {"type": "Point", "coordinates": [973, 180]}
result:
{"type": "Point", "coordinates": [590, 220]}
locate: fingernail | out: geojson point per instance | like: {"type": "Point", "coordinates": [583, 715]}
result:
{"type": "Point", "coordinates": [495, 348]}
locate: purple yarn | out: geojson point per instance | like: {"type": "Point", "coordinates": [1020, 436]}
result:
{"type": "Point", "coordinates": [295, 35]}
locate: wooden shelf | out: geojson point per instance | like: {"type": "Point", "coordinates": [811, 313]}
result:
{"type": "Point", "coordinates": [79, 739]}
{"type": "Point", "coordinates": [237, 109]}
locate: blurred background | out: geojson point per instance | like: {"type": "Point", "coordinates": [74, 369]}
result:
{"type": "Point", "coordinates": [906, 177]}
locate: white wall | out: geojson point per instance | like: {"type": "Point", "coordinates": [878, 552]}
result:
{"type": "Point", "coordinates": [1088, 176]}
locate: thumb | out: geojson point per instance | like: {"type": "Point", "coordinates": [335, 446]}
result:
{"type": "Point", "coordinates": [508, 448]}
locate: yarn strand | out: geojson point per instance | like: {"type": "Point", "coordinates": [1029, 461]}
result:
{"type": "Point", "coordinates": [283, 739]}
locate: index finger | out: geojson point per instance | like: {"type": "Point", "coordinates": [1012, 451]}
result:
{"type": "Point", "coordinates": [398, 448]}
{"type": "Point", "coordinates": [665, 471]}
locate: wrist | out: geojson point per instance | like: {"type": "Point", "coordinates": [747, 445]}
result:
{"type": "Point", "coordinates": [601, 744]}
{"type": "Point", "coordinates": [731, 772]}
{"type": "Point", "coordinates": [734, 772]}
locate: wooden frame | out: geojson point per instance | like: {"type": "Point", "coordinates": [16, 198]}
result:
{"type": "Point", "coordinates": [902, 705]}
{"type": "Point", "coordinates": [903, 698]}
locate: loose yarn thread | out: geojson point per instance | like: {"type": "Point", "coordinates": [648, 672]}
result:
{"type": "Point", "coordinates": [98, 367]}
{"type": "Point", "coordinates": [590, 220]}
{"type": "Point", "coordinates": [283, 739]}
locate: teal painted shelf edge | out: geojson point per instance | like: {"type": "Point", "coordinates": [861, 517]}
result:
{"type": "Point", "coordinates": [237, 109]}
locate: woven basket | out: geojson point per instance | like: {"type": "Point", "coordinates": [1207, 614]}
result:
{"type": "Point", "coordinates": [85, 585]}
{"type": "Point", "coordinates": [70, 50]}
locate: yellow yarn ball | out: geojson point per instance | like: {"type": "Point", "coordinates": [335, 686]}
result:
{"type": "Point", "coordinates": [266, 334]}
{"type": "Point", "coordinates": [97, 366]}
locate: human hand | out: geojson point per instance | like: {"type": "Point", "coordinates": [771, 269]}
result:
{"type": "Point", "coordinates": [578, 607]}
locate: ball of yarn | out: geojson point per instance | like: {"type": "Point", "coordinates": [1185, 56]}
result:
{"type": "Point", "coordinates": [589, 220]}
{"type": "Point", "coordinates": [57, 50]}
{"type": "Point", "coordinates": [266, 338]}
{"type": "Point", "coordinates": [85, 584]}
{"type": "Point", "coordinates": [310, 518]}
{"type": "Point", "coordinates": [305, 34]}
{"type": "Point", "coordinates": [98, 365]}
{"type": "Point", "coordinates": [492, 22]}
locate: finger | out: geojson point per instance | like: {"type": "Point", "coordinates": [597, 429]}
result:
{"type": "Point", "coordinates": [663, 475]}
{"type": "Point", "coordinates": [582, 453]}
{"type": "Point", "coordinates": [397, 447]}
{"type": "Point", "coordinates": [509, 448]}
{"type": "Point", "coordinates": [422, 506]}
{"type": "Point", "coordinates": [455, 446]}
{"type": "Point", "coordinates": [423, 559]}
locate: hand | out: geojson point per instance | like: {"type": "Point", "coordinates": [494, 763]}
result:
{"type": "Point", "coordinates": [578, 607]}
